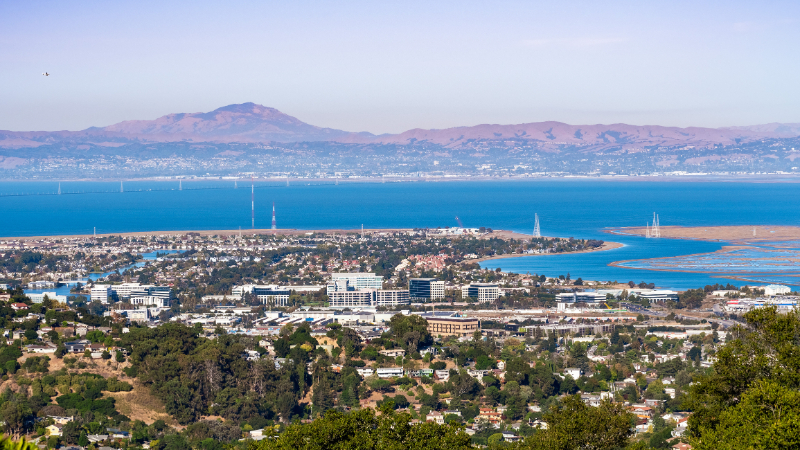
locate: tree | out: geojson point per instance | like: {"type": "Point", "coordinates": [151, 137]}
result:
{"type": "Point", "coordinates": [767, 417]}
{"type": "Point", "coordinates": [756, 372]}
{"type": "Point", "coordinates": [574, 425]}
{"type": "Point", "coordinates": [411, 331]}
{"type": "Point", "coordinates": [83, 441]}
{"type": "Point", "coordinates": [364, 429]}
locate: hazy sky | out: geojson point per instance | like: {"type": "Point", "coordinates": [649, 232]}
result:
{"type": "Point", "coordinates": [391, 66]}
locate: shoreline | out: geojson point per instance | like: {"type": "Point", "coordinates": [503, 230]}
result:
{"type": "Point", "coordinates": [501, 234]}
{"type": "Point", "coordinates": [706, 177]}
{"type": "Point", "coordinates": [604, 247]}
{"type": "Point", "coordinates": [733, 234]}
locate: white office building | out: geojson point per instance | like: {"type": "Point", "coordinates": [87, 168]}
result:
{"type": "Point", "coordinates": [350, 299]}
{"type": "Point", "coordinates": [774, 290]}
{"type": "Point", "coordinates": [354, 282]}
{"type": "Point", "coordinates": [579, 299]}
{"type": "Point", "coordinates": [385, 297]}
{"type": "Point", "coordinates": [39, 298]}
{"type": "Point", "coordinates": [267, 294]}
{"type": "Point", "coordinates": [100, 293]}
{"type": "Point", "coordinates": [483, 292]}
{"type": "Point", "coordinates": [149, 301]}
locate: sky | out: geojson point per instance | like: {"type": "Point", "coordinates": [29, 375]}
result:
{"type": "Point", "coordinates": [386, 67]}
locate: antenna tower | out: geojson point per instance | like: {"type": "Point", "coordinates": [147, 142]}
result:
{"type": "Point", "coordinates": [59, 188]}
{"type": "Point", "coordinates": [180, 185]}
{"type": "Point", "coordinates": [536, 231]}
{"type": "Point", "coordinates": [252, 204]}
{"type": "Point", "coordinates": [120, 187]}
{"type": "Point", "coordinates": [235, 186]}
{"type": "Point", "coordinates": [274, 224]}
{"type": "Point", "coordinates": [647, 231]}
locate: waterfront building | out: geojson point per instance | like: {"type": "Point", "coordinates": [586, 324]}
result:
{"type": "Point", "coordinates": [659, 295]}
{"type": "Point", "coordinates": [774, 290]}
{"type": "Point", "coordinates": [39, 298]}
{"type": "Point", "coordinates": [483, 292]}
{"type": "Point", "coordinates": [426, 289]}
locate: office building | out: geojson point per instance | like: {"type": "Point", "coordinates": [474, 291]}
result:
{"type": "Point", "coordinates": [350, 299]}
{"type": "Point", "coordinates": [426, 289]}
{"type": "Point", "coordinates": [385, 297]}
{"type": "Point", "coordinates": [39, 298]}
{"type": "Point", "coordinates": [579, 299]}
{"type": "Point", "coordinates": [149, 301]}
{"type": "Point", "coordinates": [100, 293]}
{"type": "Point", "coordinates": [452, 326]}
{"type": "Point", "coordinates": [354, 282]}
{"type": "Point", "coordinates": [267, 294]}
{"type": "Point", "coordinates": [483, 292]}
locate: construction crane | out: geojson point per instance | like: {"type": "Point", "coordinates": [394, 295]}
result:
{"type": "Point", "coordinates": [461, 225]}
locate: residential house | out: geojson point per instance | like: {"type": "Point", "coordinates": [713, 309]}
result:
{"type": "Point", "coordinates": [54, 429]}
{"type": "Point", "coordinates": [490, 415]}
{"type": "Point", "coordinates": [436, 417]}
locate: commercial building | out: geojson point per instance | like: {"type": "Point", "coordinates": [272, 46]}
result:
{"type": "Point", "coordinates": [149, 301]}
{"type": "Point", "coordinates": [578, 299]}
{"type": "Point", "coordinates": [426, 289]}
{"type": "Point", "coordinates": [125, 291]}
{"type": "Point", "coordinates": [385, 297]}
{"type": "Point", "coordinates": [100, 293]}
{"type": "Point", "coordinates": [365, 298]}
{"type": "Point", "coordinates": [773, 290]}
{"type": "Point", "coordinates": [659, 295]}
{"type": "Point", "coordinates": [267, 294]}
{"type": "Point", "coordinates": [452, 326]}
{"type": "Point", "coordinates": [354, 282]}
{"type": "Point", "coordinates": [483, 292]}
{"type": "Point", "coordinates": [350, 299]}
{"type": "Point", "coordinates": [39, 298]}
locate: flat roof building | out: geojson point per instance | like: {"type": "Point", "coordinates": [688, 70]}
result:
{"type": "Point", "coordinates": [426, 289]}
{"type": "Point", "coordinates": [483, 292]}
{"type": "Point", "coordinates": [452, 326]}
{"type": "Point", "coordinates": [354, 281]}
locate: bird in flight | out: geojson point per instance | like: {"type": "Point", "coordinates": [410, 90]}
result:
{"type": "Point", "coordinates": [46, 74]}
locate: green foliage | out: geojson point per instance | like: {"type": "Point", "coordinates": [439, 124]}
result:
{"type": "Point", "coordinates": [364, 429]}
{"type": "Point", "coordinates": [411, 331]}
{"type": "Point", "coordinates": [574, 425]}
{"type": "Point", "coordinates": [750, 399]}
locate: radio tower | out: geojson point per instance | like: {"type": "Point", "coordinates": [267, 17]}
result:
{"type": "Point", "coordinates": [536, 231]}
{"type": "Point", "coordinates": [180, 185]}
{"type": "Point", "coordinates": [120, 187]}
{"type": "Point", "coordinates": [252, 204]}
{"type": "Point", "coordinates": [274, 224]}
{"type": "Point", "coordinates": [59, 193]}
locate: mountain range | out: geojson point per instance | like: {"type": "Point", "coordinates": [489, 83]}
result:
{"type": "Point", "coordinates": [252, 123]}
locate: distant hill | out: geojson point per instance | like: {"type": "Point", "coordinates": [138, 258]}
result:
{"type": "Point", "coordinates": [252, 123]}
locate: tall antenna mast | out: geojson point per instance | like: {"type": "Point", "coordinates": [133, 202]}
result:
{"type": "Point", "coordinates": [287, 180]}
{"type": "Point", "coordinates": [536, 231]}
{"type": "Point", "coordinates": [252, 204]}
{"type": "Point", "coordinates": [180, 185]}
{"type": "Point", "coordinates": [235, 186]}
{"type": "Point", "coordinates": [120, 187]}
{"type": "Point", "coordinates": [59, 188]}
{"type": "Point", "coordinates": [274, 224]}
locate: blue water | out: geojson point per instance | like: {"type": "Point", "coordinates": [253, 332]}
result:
{"type": "Point", "coordinates": [69, 284]}
{"type": "Point", "coordinates": [571, 207]}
